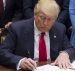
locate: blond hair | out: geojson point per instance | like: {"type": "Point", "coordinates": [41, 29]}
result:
{"type": "Point", "coordinates": [47, 6]}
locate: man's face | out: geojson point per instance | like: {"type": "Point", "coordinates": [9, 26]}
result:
{"type": "Point", "coordinates": [43, 22]}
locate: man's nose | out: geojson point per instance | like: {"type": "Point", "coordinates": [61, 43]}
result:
{"type": "Point", "coordinates": [45, 22]}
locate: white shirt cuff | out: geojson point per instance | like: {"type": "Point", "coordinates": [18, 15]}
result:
{"type": "Point", "coordinates": [18, 66]}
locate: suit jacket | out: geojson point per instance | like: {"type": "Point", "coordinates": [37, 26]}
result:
{"type": "Point", "coordinates": [19, 43]}
{"type": "Point", "coordinates": [28, 8]}
{"type": "Point", "coordinates": [64, 12]}
{"type": "Point", "coordinates": [13, 11]}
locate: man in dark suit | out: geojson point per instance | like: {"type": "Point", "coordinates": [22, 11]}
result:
{"type": "Point", "coordinates": [28, 8]}
{"type": "Point", "coordinates": [1, 11]}
{"type": "Point", "coordinates": [64, 15]}
{"type": "Point", "coordinates": [12, 11]}
{"type": "Point", "coordinates": [64, 10]}
{"type": "Point", "coordinates": [23, 44]}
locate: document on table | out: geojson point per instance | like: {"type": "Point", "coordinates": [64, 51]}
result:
{"type": "Point", "coordinates": [49, 67]}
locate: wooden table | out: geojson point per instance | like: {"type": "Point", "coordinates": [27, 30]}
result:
{"type": "Point", "coordinates": [2, 68]}
{"type": "Point", "coordinates": [6, 69]}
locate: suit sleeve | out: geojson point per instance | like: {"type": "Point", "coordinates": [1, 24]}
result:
{"type": "Point", "coordinates": [18, 14]}
{"type": "Point", "coordinates": [13, 11]}
{"type": "Point", "coordinates": [68, 47]}
{"type": "Point", "coordinates": [64, 11]}
{"type": "Point", "coordinates": [8, 12]}
{"type": "Point", "coordinates": [7, 49]}
{"type": "Point", "coordinates": [28, 8]}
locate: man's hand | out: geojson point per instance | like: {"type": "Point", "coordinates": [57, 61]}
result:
{"type": "Point", "coordinates": [8, 24]}
{"type": "Point", "coordinates": [62, 61]}
{"type": "Point", "coordinates": [28, 64]}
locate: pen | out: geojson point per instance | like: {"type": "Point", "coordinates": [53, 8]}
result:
{"type": "Point", "coordinates": [28, 53]}
{"type": "Point", "coordinates": [72, 68]}
{"type": "Point", "coordinates": [30, 57]}
{"type": "Point", "coordinates": [36, 69]}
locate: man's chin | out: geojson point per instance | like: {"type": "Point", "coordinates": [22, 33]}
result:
{"type": "Point", "coordinates": [44, 30]}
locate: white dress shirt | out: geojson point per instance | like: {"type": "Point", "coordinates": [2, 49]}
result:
{"type": "Point", "coordinates": [37, 34]}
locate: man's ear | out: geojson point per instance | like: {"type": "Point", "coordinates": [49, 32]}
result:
{"type": "Point", "coordinates": [35, 16]}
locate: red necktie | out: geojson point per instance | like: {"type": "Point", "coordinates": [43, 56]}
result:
{"type": "Point", "coordinates": [1, 7]}
{"type": "Point", "coordinates": [42, 49]}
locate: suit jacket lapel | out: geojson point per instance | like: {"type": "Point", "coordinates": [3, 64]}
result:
{"type": "Point", "coordinates": [32, 43]}
{"type": "Point", "coordinates": [29, 32]}
{"type": "Point", "coordinates": [53, 36]}
{"type": "Point", "coordinates": [53, 40]}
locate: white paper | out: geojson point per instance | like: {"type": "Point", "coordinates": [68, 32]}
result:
{"type": "Point", "coordinates": [49, 67]}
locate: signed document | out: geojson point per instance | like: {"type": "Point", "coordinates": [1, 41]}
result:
{"type": "Point", "coordinates": [49, 67]}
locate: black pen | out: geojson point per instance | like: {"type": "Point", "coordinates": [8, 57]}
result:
{"type": "Point", "coordinates": [29, 56]}
{"type": "Point", "coordinates": [28, 53]}
{"type": "Point", "coordinates": [72, 68]}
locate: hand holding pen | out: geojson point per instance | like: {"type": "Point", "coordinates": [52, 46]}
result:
{"type": "Point", "coordinates": [27, 64]}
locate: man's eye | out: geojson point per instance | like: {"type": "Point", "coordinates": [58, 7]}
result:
{"type": "Point", "coordinates": [43, 18]}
